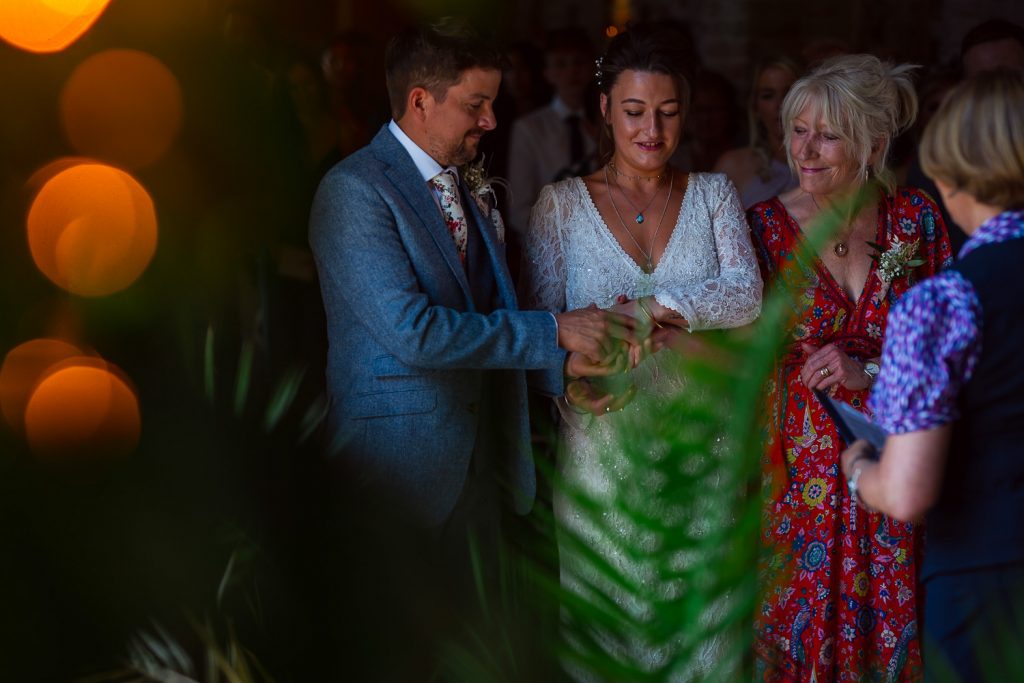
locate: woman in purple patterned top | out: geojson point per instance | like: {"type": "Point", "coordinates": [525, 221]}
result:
{"type": "Point", "coordinates": [951, 393]}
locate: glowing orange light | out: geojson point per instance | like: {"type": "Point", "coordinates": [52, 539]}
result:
{"type": "Point", "coordinates": [47, 25]}
{"type": "Point", "coordinates": [45, 174]}
{"type": "Point", "coordinates": [21, 371]}
{"type": "Point", "coordinates": [82, 408]}
{"type": "Point", "coordinates": [92, 229]}
{"type": "Point", "coordinates": [124, 106]}
{"type": "Point", "coordinates": [611, 31]}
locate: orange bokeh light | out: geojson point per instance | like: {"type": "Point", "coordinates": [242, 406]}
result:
{"type": "Point", "coordinates": [23, 367]}
{"type": "Point", "coordinates": [47, 25]}
{"type": "Point", "coordinates": [123, 106]}
{"type": "Point", "coordinates": [82, 407]}
{"type": "Point", "coordinates": [92, 229]}
{"type": "Point", "coordinates": [45, 174]}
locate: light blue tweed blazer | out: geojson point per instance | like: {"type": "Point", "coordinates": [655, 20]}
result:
{"type": "Point", "coordinates": [407, 351]}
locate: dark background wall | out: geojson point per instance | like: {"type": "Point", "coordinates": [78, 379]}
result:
{"type": "Point", "coordinates": [729, 34]}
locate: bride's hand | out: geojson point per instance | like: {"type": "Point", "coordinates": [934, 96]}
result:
{"type": "Point", "coordinates": [657, 326]}
{"type": "Point", "coordinates": [586, 396]}
{"type": "Point", "coordinates": [577, 365]}
{"type": "Point", "coordinates": [648, 313]}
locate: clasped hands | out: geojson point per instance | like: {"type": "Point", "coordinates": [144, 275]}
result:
{"type": "Point", "coordinates": [604, 343]}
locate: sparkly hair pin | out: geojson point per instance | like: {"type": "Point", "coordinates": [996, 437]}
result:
{"type": "Point", "coordinates": [599, 71]}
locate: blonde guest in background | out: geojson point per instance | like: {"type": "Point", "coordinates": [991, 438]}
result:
{"type": "Point", "coordinates": [759, 170]}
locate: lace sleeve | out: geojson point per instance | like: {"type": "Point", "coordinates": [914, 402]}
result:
{"type": "Point", "coordinates": [734, 297]}
{"type": "Point", "coordinates": [543, 273]}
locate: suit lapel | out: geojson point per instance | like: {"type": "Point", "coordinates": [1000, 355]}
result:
{"type": "Point", "coordinates": [495, 251]}
{"type": "Point", "coordinates": [406, 178]}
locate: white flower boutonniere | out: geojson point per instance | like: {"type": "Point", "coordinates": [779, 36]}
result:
{"type": "Point", "coordinates": [897, 259]}
{"type": "Point", "coordinates": [483, 194]}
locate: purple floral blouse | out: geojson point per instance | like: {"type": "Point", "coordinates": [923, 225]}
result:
{"type": "Point", "coordinates": [933, 341]}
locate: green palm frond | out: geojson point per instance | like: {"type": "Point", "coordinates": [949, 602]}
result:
{"type": "Point", "coordinates": [156, 656]}
{"type": "Point", "coordinates": [243, 377]}
{"type": "Point", "coordinates": [282, 398]}
{"type": "Point", "coordinates": [279, 401]}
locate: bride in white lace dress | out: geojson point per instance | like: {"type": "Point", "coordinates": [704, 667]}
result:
{"type": "Point", "coordinates": [677, 246]}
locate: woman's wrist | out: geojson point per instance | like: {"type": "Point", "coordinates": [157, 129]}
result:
{"type": "Point", "coordinates": [857, 468]}
{"type": "Point", "coordinates": [648, 310]}
{"type": "Point", "coordinates": [871, 368]}
{"type": "Point", "coordinates": [568, 402]}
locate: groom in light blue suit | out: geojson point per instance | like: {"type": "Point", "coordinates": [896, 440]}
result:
{"type": "Point", "coordinates": [428, 351]}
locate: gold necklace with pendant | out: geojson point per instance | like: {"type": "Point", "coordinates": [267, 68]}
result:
{"type": "Point", "coordinates": [841, 248]}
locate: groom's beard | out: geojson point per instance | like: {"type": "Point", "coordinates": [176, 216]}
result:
{"type": "Point", "coordinates": [464, 151]}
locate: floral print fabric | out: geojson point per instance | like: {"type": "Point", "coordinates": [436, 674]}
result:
{"type": "Point", "coordinates": [444, 182]}
{"type": "Point", "coordinates": [838, 596]}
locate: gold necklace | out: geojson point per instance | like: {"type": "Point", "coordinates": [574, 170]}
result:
{"type": "Point", "coordinates": [616, 171]}
{"type": "Point", "coordinates": [639, 218]}
{"type": "Point", "coordinates": [840, 248]}
{"type": "Point", "coordinates": [648, 255]}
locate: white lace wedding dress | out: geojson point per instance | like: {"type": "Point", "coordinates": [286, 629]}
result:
{"type": "Point", "coordinates": [709, 274]}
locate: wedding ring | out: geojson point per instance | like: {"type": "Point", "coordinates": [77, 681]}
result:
{"type": "Point", "coordinates": [825, 372]}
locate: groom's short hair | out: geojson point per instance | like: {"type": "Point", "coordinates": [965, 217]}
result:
{"type": "Point", "coordinates": [433, 57]}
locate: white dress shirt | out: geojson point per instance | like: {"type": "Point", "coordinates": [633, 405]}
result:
{"type": "Point", "coordinates": [538, 151]}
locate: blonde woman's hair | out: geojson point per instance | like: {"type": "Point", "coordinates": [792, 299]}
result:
{"type": "Point", "coordinates": [864, 101]}
{"type": "Point", "coordinates": [758, 135]}
{"type": "Point", "coordinates": [975, 141]}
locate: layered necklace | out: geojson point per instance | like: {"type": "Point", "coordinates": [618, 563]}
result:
{"type": "Point", "coordinates": [639, 217]}
{"type": "Point", "coordinates": [648, 255]}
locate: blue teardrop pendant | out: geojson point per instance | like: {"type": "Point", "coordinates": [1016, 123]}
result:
{"type": "Point", "coordinates": [639, 218]}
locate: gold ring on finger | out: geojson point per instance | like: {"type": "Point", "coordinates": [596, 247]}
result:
{"type": "Point", "coordinates": [825, 372]}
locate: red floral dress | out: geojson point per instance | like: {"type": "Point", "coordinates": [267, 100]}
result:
{"type": "Point", "coordinates": [839, 594]}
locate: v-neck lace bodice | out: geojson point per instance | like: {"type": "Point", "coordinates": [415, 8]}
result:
{"type": "Point", "coordinates": [599, 220]}
{"type": "Point", "coordinates": [707, 272]}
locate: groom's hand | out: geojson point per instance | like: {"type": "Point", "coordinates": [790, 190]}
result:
{"type": "Point", "coordinates": [595, 333]}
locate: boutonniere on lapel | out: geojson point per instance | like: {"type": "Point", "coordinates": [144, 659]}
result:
{"type": "Point", "coordinates": [895, 261]}
{"type": "Point", "coordinates": [483, 194]}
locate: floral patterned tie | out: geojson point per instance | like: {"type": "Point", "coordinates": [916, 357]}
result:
{"type": "Point", "coordinates": [452, 210]}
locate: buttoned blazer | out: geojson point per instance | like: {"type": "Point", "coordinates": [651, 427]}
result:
{"type": "Point", "coordinates": [407, 351]}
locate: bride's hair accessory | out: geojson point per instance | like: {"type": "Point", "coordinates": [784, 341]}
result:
{"type": "Point", "coordinates": [599, 71]}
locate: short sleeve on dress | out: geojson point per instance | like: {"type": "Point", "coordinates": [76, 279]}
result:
{"type": "Point", "coordinates": [931, 348]}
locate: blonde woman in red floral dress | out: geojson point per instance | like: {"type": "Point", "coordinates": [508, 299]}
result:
{"type": "Point", "coordinates": [839, 599]}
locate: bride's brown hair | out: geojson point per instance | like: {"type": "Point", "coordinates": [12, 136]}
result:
{"type": "Point", "coordinates": [650, 48]}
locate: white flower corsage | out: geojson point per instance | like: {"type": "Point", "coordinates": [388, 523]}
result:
{"type": "Point", "coordinates": [897, 259]}
{"type": "Point", "coordinates": [483, 194]}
